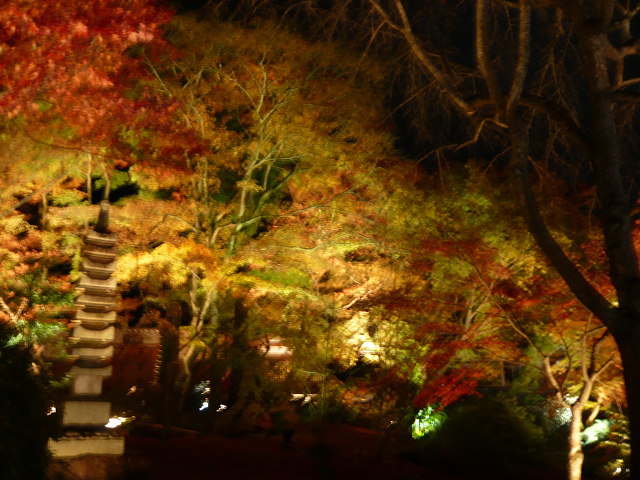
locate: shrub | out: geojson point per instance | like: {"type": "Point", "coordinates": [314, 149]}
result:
{"type": "Point", "coordinates": [490, 435]}
{"type": "Point", "coordinates": [68, 197]}
{"type": "Point", "coordinates": [15, 225]}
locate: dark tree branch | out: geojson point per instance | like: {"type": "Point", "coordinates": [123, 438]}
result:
{"type": "Point", "coordinates": [579, 285]}
{"type": "Point", "coordinates": [625, 97]}
{"type": "Point", "coordinates": [421, 54]}
{"type": "Point", "coordinates": [524, 53]}
{"type": "Point", "coordinates": [558, 114]}
{"type": "Point", "coordinates": [483, 41]}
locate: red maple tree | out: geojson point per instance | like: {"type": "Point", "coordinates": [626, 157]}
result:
{"type": "Point", "coordinates": [76, 68]}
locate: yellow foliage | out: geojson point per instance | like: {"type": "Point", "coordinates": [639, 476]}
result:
{"type": "Point", "coordinates": [15, 225]}
{"type": "Point", "coordinates": [348, 336]}
{"type": "Point", "coordinates": [8, 259]}
{"type": "Point", "coordinates": [200, 257]}
{"type": "Point", "coordinates": [49, 241]}
{"type": "Point", "coordinates": [165, 263]}
{"type": "Point", "coordinates": [155, 180]}
{"type": "Point", "coordinates": [71, 217]}
{"type": "Point", "coordinates": [139, 216]}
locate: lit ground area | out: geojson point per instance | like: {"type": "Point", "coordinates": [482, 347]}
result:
{"type": "Point", "coordinates": [352, 454]}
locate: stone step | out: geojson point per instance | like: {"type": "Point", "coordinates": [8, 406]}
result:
{"type": "Point", "coordinates": [98, 270]}
{"type": "Point", "coordinates": [93, 354]}
{"type": "Point", "coordinates": [92, 338]}
{"type": "Point", "coordinates": [105, 240]}
{"type": "Point", "coordinates": [94, 320]}
{"type": "Point", "coordinates": [100, 254]}
{"type": "Point", "coordinates": [96, 286]}
{"type": "Point", "coordinates": [85, 413]}
{"type": "Point", "coordinates": [94, 303]}
{"type": "Point", "coordinates": [95, 444]}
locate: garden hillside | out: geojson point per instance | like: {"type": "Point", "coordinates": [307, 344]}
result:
{"type": "Point", "coordinates": [285, 248]}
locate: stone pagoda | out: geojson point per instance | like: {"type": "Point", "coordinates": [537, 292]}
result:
{"type": "Point", "coordinates": [85, 413]}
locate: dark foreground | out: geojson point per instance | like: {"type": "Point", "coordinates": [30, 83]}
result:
{"type": "Point", "coordinates": [344, 452]}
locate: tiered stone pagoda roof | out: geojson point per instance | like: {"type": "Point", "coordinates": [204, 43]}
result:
{"type": "Point", "coordinates": [97, 286]}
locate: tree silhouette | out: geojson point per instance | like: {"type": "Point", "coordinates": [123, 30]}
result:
{"type": "Point", "coordinates": [518, 83]}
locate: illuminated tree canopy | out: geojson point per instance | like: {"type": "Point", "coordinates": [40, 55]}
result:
{"type": "Point", "coordinates": [262, 200]}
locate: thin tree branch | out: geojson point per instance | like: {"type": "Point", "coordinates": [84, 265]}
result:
{"type": "Point", "coordinates": [420, 53]}
{"type": "Point", "coordinates": [625, 96]}
{"type": "Point", "coordinates": [585, 374]}
{"type": "Point", "coordinates": [171, 215]}
{"type": "Point", "coordinates": [528, 365]}
{"type": "Point", "coordinates": [606, 365]}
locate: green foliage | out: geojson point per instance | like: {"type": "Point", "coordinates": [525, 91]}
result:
{"type": "Point", "coordinates": [596, 432]}
{"type": "Point", "coordinates": [130, 136]}
{"type": "Point", "coordinates": [52, 334]}
{"type": "Point", "coordinates": [118, 179]}
{"type": "Point", "coordinates": [66, 132]}
{"type": "Point", "coordinates": [289, 278]}
{"type": "Point", "coordinates": [43, 105]}
{"type": "Point", "coordinates": [25, 426]}
{"type": "Point", "coordinates": [68, 197]}
{"type": "Point", "coordinates": [40, 291]}
{"type": "Point", "coordinates": [228, 179]}
{"type": "Point", "coordinates": [71, 245]}
{"type": "Point", "coordinates": [35, 332]}
{"type": "Point", "coordinates": [147, 194]}
{"type": "Point", "coordinates": [427, 422]}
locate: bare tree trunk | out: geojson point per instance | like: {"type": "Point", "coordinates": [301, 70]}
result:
{"type": "Point", "coordinates": [89, 187]}
{"type": "Point", "coordinates": [594, 413]}
{"type": "Point", "coordinates": [238, 350]}
{"type": "Point", "coordinates": [43, 211]}
{"type": "Point", "coordinates": [187, 359]}
{"type": "Point", "coordinates": [186, 375]}
{"type": "Point", "coordinates": [575, 458]}
{"type": "Point", "coordinates": [107, 184]}
{"type": "Point", "coordinates": [629, 346]}
{"type": "Point", "coordinates": [617, 226]}
{"type": "Point", "coordinates": [198, 318]}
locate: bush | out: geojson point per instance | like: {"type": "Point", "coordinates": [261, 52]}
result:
{"type": "Point", "coordinates": [15, 225]}
{"type": "Point", "coordinates": [25, 427]}
{"type": "Point", "coordinates": [490, 435]}
{"type": "Point", "coordinates": [66, 198]}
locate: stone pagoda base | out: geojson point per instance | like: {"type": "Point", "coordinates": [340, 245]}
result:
{"type": "Point", "coordinates": [98, 467]}
{"type": "Point", "coordinates": [76, 445]}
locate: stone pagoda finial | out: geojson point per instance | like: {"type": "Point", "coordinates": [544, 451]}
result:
{"type": "Point", "coordinates": [103, 217]}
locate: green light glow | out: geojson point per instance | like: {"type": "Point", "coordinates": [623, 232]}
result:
{"type": "Point", "coordinates": [596, 432]}
{"type": "Point", "coordinates": [428, 420]}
